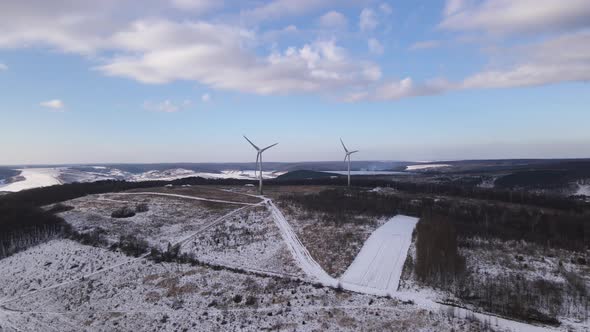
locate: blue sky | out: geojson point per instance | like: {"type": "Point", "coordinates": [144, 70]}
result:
{"type": "Point", "coordinates": [182, 80]}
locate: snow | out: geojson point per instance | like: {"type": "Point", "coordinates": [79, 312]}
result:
{"type": "Point", "coordinates": [380, 262]}
{"type": "Point", "coordinates": [41, 177]}
{"type": "Point", "coordinates": [423, 167]}
{"type": "Point", "coordinates": [583, 189]}
{"type": "Point", "coordinates": [54, 263]}
{"type": "Point", "coordinates": [248, 241]}
{"type": "Point", "coordinates": [186, 197]}
{"type": "Point", "coordinates": [34, 178]}
{"type": "Point", "coordinates": [93, 287]}
{"type": "Point", "coordinates": [366, 172]}
{"type": "Point", "coordinates": [137, 296]}
{"type": "Point", "coordinates": [190, 216]}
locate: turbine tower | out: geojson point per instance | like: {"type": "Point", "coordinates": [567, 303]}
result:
{"type": "Point", "coordinates": [259, 160]}
{"type": "Point", "coordinates": [347, 156]}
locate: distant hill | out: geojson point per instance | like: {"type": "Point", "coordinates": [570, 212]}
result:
{"type": "Point", "coordinates": [6, 173]}
{"type": "Point", "coordinates": [305, 175]}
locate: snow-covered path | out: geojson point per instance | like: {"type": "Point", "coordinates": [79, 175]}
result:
{"type": "Point", "coordinates": [378, 266]}
{"type": "Point", "coordinates": [298, 250]}
{"type": "Point", "coordinates": [187, 197]}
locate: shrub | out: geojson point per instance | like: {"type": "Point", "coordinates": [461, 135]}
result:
{"type": "Point", "coordinates": [124, 212]}
{"type": "Point", "coordinates": [142, 207]}
{"type": "Point", "coordinates": [132, 246]}
{"type": "Point", "coordinates": [251, 300]}
{"type": "Point", "coordinates": [438, 261]}
{"type": "Point", "coordinates": [93, 238]}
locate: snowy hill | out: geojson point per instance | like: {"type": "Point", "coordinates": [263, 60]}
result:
{"type": "Point", "coordinates": [43, 177]}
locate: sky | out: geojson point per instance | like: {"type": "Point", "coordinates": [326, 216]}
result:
{"type": "Point", "coordinates": [154, 81]}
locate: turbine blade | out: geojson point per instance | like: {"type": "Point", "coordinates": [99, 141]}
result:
{"type": "Point", "coordinates": [249, 141]}
{"type": "Point", "coordinates": [257, 156]}
{"type": "Point", "coordinates": [268, 147]}
{"type": "Point", "coordinates": [344, 146]}
{"type": "Point", "coordinates": [351, 152]}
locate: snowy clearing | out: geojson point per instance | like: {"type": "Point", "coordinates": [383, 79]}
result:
{"type": "Point", "coordinates": [147, 296]}
{"type": "Point", "coordinates": [248, 240]}
{"type": "Point", "coordinates": [168, 219]}
{"type": "Point", "coordinates": [379, 264]}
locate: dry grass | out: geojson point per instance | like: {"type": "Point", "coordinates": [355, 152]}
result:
{"type": "Point", "coordinates": [275, 192]}
{"type": "Point", "coordinates": [333, 245]}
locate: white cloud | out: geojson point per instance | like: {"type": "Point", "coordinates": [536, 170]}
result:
{"type": "Point", "coordinates": [407, 88]}
{"type": "Point", "coordinates": [290, 28]}
{"type": "Point", "coordinates": [561, 59]}
{"type": "Point", "coordinates": [206, 98]}
{"type": "Point", "coordinates": [199, 6]}
{"type": "Point", "coordinates": [277, 9]}
{"type": "Point", "coordinates": [368, 20]}
{"type": "Point", "coordinates": [3, 67]}
{"type": "Point", "coordinates": [423, 45]}
{"type": "Point", "coordinates": [454, 6]}
{"type": "Point", "coordinates": [375, 46]}
{"type": "Point", "coordinates": [54, 104]}
{"type": "Point", "coordinates": [516, 16]}
{"type": "Point", "coordinates": [166, 106]}
{"type": "Point", "coordinates": [217, 55]}
{"type": "Point", "coordinates": [220, 55]}
{"type": "Point", "coordinates": [386, 8]}
{"type": "Point", "coordinates": [333, 20]}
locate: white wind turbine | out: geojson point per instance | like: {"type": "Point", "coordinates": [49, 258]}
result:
{"type": "Point", "coordinates": [347, 156]}
{"type": "Point", "coordinates": [259, 160]}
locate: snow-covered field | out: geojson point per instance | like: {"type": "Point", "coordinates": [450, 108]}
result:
{"type": "Point", "coordinates": [264, 276]}
{"type": "Point", "coordinates": [34, 178]}
{"type": "Point", "coordinates": [146, 296]}
{"type": "Point", "coordinates": [367, 172]}
{"type": "Point", "coordinates": [65, 286]}
{"type": "Point", "coordinates": [420, 167]}
{"type": "Point", "coordinates": [379, 263]}
{"type": "Point", "coordinates": [249, 240]}
{"type": "Point", "coordinates": [167, 220]}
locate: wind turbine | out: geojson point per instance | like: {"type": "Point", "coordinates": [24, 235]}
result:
{"type": "Point", "coordinates": [347, 156]}
{"type": "Point", "coordinates": [259, 159]}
